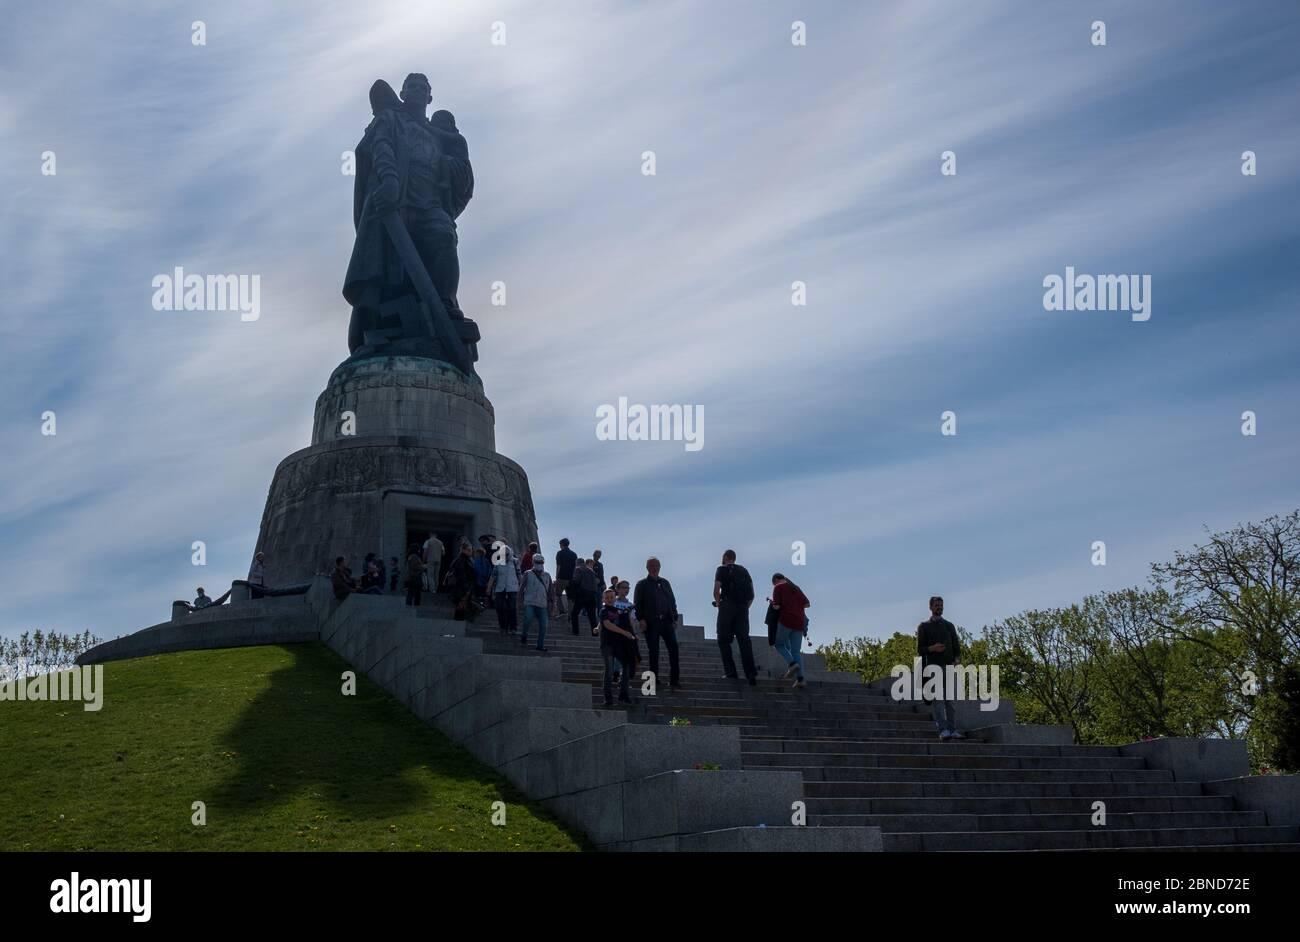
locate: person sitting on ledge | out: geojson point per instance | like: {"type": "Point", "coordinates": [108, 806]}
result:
{"type": "Point", "coordinates": [341, 580]}
{"type": "Point", "coordinates": [372, 580]}
{"type": "Point", "coordinates": [202, 600]}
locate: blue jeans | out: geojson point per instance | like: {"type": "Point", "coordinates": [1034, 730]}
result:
{"type": "Point", "coordinates": [788, 643]}
{"type": "Point", "coordinates": [607, 654]}
{"type": "Point", "coordinates": [538, 612]}
{"type": "Point", "coordinates": [945, 715]}
{"type": "Point", "coordinates": [944, 708]}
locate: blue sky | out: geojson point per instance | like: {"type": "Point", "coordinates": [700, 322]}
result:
{"type": "Point", "coordinates": [775, 163]}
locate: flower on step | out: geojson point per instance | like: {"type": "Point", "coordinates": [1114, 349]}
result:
{"type": "Point", "coordinates": [1148, 739]}
{"type": "Point", "coordinates": [706, 767]}
{"type": "Point", "coordinates": [679, 721]}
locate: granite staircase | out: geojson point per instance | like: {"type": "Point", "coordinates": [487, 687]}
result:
{"type": "Point", "coordinates": [722, 766]}
{"type": "Point", "coordinates": [868, 761]}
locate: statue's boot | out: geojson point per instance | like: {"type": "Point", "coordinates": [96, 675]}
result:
{"type": "Point", "coordinates": [466, 329]}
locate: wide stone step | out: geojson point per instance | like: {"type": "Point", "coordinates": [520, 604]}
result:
{"type": "Point", "coordinates": [1006, 805]}
{"type": "Point", "coordinates": [763, 729]}
{"type": "Point", "coordinates": [957, 760]}
{"type": "Point", "coordinates": [1078, 821]}
{"type": "Point", "coordinates": [696, 670]}
{"type": "Point", "coordinates": [771, 692]}
{"type": "Point", "coordinates": [821, 773]}
{"type": "Point", "coordinates": [791, 716]}
{"type": "Point", "coordinates": [932, 747]}
{"type": "Point", "coordinates": [782, 718]}
{"type": "Point", "coordinates": [1097, 838]}
{"type": "Point", "coordinates": [1290, 848]}
{"type": "Point", "coordinates": [828, 696]}
{"type": "Point", "coordinates": [913, 791]}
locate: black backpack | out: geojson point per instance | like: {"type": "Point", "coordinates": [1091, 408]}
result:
{"type": "Point", "coordinates": [740, 587]}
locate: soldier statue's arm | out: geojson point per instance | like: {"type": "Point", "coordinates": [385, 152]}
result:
{"type": "Point", "coordinates": [384, 156]}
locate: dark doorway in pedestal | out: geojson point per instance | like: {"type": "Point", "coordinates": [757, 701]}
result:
{"type": "Point", "coordinates": [450, 530]}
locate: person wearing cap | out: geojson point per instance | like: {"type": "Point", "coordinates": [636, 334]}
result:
{"type": "Point", "coordinates": [504, 586]}
{"type": "Point", "coordinates": [538, 590]}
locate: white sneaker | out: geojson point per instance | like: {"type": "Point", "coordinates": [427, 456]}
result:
{"type": "Point", "coordinates": [789, 672]}
{"type": "Point", "coordinates": [957, 735]}
{"type": "Point", "coordinates": [945, 735]}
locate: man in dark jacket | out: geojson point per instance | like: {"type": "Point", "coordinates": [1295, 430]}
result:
{"type": "Point", "coordinates": [937, 643]}
{"type": "Point", "coordinates": [341, 580]}
{"type": "Point", "coordinates": [656, 609]}
{"type": "Point", "coordinates": [733, 593]}
{"type": "Point", "coordinates": [586, 595]}
{"type": "Point", "coordinates": [565, 560]}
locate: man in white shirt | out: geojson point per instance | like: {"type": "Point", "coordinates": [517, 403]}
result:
{"type": "Point", "coordinates": [432, 553]}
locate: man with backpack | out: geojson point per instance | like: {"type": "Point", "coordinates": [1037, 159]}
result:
{"type": "Point", "coordinates": [565, 561]}
{"type": "Point", "coordinates": [586, 595]}
{"type": "Point", "coordinates": [733, 593]}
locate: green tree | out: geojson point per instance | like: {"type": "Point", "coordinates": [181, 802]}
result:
{"type": "Point", "coordinates": [1044, 655]}
{"type": "Point", "coordinates": [1238, 595]}
{"type": "Point", "coordinates": [873, 658]}
{"type": "Point", "coordinates": [41, 652]}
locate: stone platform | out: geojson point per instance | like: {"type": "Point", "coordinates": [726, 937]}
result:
{"type": "Point", "coordinates": [399, 443]}
{"type": "Point", "coordinates": [869, 773]}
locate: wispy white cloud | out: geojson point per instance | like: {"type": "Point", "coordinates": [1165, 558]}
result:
{"type": "Point", "coordinates": [774, 164]}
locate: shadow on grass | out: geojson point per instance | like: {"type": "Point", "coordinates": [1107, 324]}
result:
{"type": "Point", "coordinates": [301, 736]}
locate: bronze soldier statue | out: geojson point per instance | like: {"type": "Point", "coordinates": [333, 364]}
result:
{"type": "Point", "coordinates": [413, 179]}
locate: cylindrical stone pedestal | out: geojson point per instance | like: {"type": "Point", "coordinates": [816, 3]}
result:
{"type": "Point", "coordinates": [397, 396]}
{"type": "Point", "coordinates": [400, 446]}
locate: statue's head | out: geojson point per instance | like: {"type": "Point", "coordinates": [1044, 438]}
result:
{"type": "Point", "coordinates": [383, 98]}
{"type": "Point", "coordinates": [417, 93]}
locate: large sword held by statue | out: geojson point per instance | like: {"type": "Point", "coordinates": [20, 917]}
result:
{"type": "Point", "coordinates": [436, 319]}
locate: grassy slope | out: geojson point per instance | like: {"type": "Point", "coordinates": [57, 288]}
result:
{"type": "Point", "coordinates": [265, 738]}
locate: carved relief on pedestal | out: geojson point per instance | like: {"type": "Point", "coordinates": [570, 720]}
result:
{"type": "Point", "coordinates": [436, 471]}
{"type": "Point", "coordinates": [413, 379]}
